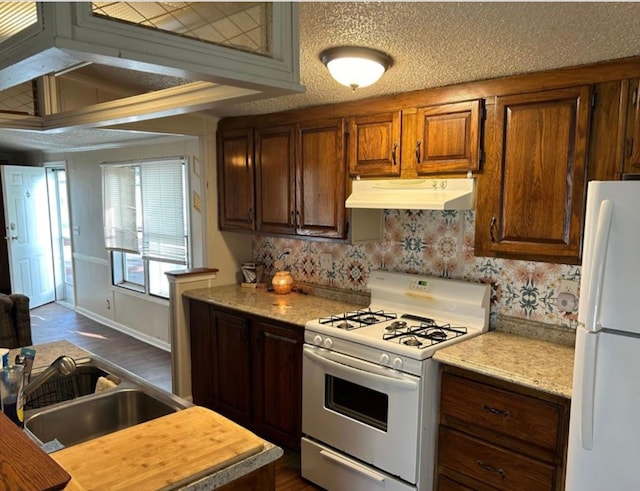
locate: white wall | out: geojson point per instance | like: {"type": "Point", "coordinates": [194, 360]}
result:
{"type": "Point", "coordinates": [143, 317]}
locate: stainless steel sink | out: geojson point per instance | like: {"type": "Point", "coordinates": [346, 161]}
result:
{"type": "Point", "coordinates": [84, 417]}
{"type": "Point", "coordinates": [96, 416]}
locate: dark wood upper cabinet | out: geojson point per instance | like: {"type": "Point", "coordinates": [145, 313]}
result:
{"type": "Point", "coordinates": [275, 179]}
{"type": "Point", "coordinates": [374, 145]}
{"type": "Point", "coordinates": [631, 162]}
{"type": "Point", "coordinates": [448, 138]}
{"type": "Point", "coordinates": [531, 202]}
{"type": "Point", "coordinates": [320, 178]}
{"type": "Point", "coordinates": [236, 180]}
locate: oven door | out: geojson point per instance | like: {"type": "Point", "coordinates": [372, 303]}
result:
{"type": "Point", "coordinates": [366, 410]}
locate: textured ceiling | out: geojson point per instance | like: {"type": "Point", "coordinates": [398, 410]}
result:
{"type": "Point", "coordinates": [442, 43]}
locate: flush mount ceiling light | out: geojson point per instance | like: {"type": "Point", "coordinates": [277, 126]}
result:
{"type": "Point", "coordinates": [355, 66]}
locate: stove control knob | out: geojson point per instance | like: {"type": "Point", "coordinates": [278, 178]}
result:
{"type": "Point", "coordinates": [397, 363]}
{"type": "Point", "coordinates": [328, 343]}
{"type": "Point", "coordinates": [317, 340]}
{"type": "Point", "coordinates": [384, 359]}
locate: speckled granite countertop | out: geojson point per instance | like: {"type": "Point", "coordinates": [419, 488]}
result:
{"type": "Point", "coordinates": [526, 361]}
{"type": "Point", "coordinates": [46, 353]}
{"type": "Point", "coordinates": [295, 308]}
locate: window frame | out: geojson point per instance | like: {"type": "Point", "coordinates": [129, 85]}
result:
{"type": "Point", "coordinates": [117, 258]}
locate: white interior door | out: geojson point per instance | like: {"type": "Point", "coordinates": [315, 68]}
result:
{"type": "Point", "coordinates": [28, 234]}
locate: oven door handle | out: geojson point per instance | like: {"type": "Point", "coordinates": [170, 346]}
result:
{"type": "Point", "coordinates": [362, 367]}
{"type": "Point", "coordinates": [352, 466]}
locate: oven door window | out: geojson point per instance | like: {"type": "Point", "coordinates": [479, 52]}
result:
{"type": "Point", "coordinates": [357, 402]}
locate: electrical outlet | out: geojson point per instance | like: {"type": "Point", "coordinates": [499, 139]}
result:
{"type": "Point", "coordinates": [569, 286]}
{"type": "Point", "coordinates": [326, 261]}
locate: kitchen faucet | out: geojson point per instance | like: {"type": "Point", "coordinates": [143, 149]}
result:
{"type": "Point", "coordinates": [63, 365]}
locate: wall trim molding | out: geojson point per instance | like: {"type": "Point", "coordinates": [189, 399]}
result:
{"type": "Point", "coordinates": [124, 329]}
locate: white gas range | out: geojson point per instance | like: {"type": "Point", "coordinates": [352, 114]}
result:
{"type": "Point", "coordinates": [370, 385]}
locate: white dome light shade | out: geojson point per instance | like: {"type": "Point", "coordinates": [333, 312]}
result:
{"type": "Point", "coordinates": [355, 67]}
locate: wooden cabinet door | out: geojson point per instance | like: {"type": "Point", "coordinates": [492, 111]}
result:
{"type": "Point", "coordinates": [631, 162]}
{"type": "Point", "coordinates": [233, 367]}
{"type": "Point", "coordinates": [278, 383]}
{"type": "Point", "coordinates": [235, 180]}
{"type": "Point", "coordinates": [275, 179]}
{"type": "Point", "coordinates": [320, 178]}
{"type": "Point", "coordinates": [202, 340]}
{"type": "Point", "coordinates": [448, 138]}
{"type": "Point", "coordinates": [374, 145]}
{"type": "Point", "coordinates": [531, 201]}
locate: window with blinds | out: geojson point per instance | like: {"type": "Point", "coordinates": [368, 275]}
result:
{"type": "Point", "coordinates": [145, 221]}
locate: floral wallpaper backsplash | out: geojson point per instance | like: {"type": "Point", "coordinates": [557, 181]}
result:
{"type": "Point", "coordinates": [435, 243]}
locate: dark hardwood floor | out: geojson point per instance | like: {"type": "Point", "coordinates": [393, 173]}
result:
{"type": "Point", "coordinates": [54, 322]}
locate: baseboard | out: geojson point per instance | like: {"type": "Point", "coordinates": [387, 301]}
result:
{"type": "Point", "coordinates": [145, 338]}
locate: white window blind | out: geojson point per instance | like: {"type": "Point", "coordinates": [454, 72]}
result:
{"type": "Point", "coordinates": [119, 208]}
{"type": "Point", "coordinates": [163, 214]}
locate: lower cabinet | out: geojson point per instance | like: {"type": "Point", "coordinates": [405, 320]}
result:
{"type": "Point", "coordinates": [248, 369]}
{"type": "Point", "coordinates": [494, 435]}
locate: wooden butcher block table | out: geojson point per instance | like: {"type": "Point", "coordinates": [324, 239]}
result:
{"type": "Point", "coordinates": [161, 454]}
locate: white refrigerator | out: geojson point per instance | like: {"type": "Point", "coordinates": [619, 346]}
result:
{"type": "Point", "coordinates": [604, 430]}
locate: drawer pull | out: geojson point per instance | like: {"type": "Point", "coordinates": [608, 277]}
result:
{"type": "Point", "coordinates": [498, 412]}
{"type": "Point", "coordinates": [487, 467]}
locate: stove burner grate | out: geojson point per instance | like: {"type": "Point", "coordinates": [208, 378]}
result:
{"type": "Point", "coordinates": [427, 333]}
{"type": "Point", "coordinates": [358, 318]}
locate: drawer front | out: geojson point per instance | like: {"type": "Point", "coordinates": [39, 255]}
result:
{"type": "Point", "coordinates": [526, 418]}
{"type": "Point", "coordinates": [493, 465]}
{"type": "Point", "coordinates": [446, 484]}
{"type": "Point", "coordinates": [332, 470]}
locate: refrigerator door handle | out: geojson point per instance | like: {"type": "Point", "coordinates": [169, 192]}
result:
{"type": "Point", "coordinates": [595, 273]}
{"type": "Point", "coordinates": [587, 402]}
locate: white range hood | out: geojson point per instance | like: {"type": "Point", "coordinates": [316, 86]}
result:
{"type": "Point", "coordinates": [413, 194]}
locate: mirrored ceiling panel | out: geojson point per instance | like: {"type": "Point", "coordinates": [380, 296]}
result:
{"type": "Point", "coordinates": [16, 17]}
{"type": "Point", "coordinates": [240, 25]}
{"type": "Point", "coordinates": [19, 99]}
